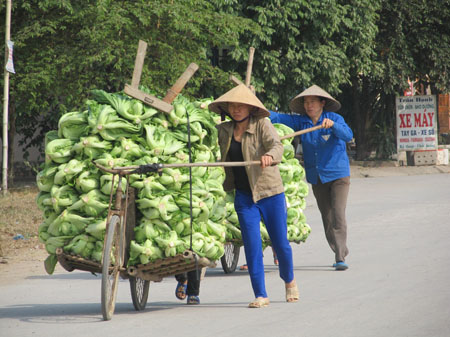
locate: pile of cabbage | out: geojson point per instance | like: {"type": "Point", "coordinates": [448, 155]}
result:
{"type": "Point", "coordinates": [115, 130]}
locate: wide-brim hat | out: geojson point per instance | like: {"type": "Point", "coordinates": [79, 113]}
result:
{"type": "Point", "coordinates": [331, 104]}
{"type": "Point", "coordinates": [239, 94]}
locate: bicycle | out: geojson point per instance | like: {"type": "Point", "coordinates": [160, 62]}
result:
{"type": "Point", "coordinates": [119, 234]}
{"type": "Point", "coordinates": [117, 238]}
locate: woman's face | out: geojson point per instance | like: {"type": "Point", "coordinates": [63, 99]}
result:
{"type": "Point", "coordinates": [239, 111]}
{"type": "Point", "coordinates": [313, 106]}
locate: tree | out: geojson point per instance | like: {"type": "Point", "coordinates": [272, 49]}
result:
{"type": "Point", "coordinates": [63, 49]}
{"type": "Point", "coordinates": [360, 51]}
{"type": "Point", "coordinates": [407, 45]}
{"type": "Point", "coordinates": [302, 42]}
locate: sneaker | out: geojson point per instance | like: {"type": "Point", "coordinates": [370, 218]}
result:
{"type": "Point", "coordinates": [340, 265]}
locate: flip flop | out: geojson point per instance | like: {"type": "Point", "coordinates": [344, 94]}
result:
{"type": "Point", "coordinates": [193, 300]}
{"type": "Point", "coordinates": [243, 267]}
{"type": "Point", "coordinates": [180, 291]}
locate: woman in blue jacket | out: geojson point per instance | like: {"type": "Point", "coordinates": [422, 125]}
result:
{"type": "Point", "coordinates": [326, 162]}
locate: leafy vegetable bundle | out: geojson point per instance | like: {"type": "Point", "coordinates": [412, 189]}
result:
{"type": "Point", "coordinates": [114, 130]}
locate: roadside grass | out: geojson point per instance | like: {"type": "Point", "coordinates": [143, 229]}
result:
{"type": "Point", "coordinates": [19, 216]}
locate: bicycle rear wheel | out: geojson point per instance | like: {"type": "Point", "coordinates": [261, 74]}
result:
{"type": "Point", "coordinates": [111, 266]}
{"type": "Point", "coordinates": [139, 292]}
{"type": "Point", "coordinates": [230, 258]}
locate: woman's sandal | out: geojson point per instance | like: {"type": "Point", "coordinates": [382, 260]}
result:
{"type": "Point", "coordinates": [180, 291]}
{"type": "Point", "coordinates": [243, 267]}
{"type": "Point", "coordinates": [292, 294]}
{"type": "Point", "coordinates": [193, 300]}
{"type": "Point", "coordinates": [259, 302]}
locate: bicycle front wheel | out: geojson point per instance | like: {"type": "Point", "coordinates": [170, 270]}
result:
{"type": "Point", "coordinates": [230, 258]}
{"type": "Point", "coordinates": [111, 266]}
{"type": "Point", "coordinates": [139, 292]}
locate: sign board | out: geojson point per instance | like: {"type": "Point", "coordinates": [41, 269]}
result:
{"type": "Point", "coordinates": [416, 123]}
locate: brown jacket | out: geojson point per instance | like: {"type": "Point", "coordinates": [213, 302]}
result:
{"type": "Point", "coordinates": [260, 138]}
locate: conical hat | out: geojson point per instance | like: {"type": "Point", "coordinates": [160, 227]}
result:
{"type": "Point", "coordinates": [331, 104]}
{"type": "Point", "coordinates": [239, 94]}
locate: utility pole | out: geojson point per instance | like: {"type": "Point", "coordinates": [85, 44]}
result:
{"type": "Point", "coordinates": [6, 101]}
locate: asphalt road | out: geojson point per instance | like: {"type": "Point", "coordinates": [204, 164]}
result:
{"type": "Point", "coordinates": [397, 284]}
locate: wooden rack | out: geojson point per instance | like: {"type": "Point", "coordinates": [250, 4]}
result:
{"type": "Point", "coordinates": [164, 104]}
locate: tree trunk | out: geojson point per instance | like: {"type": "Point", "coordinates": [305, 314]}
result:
{"type": "Point", "coordinates": [362, 107]}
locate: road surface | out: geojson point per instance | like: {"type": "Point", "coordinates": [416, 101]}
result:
{"type": "Point", "coordinates": [397, 284]}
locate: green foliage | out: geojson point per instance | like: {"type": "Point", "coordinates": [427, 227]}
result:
{"type": "Point", "coordinates": [63, 49]}
{"type": "Point", "coordinates": [302, 42]}
{"type": "Point", "coordinates": [362, 50]}
{"type": "Point", "coordinates": [407, 46]}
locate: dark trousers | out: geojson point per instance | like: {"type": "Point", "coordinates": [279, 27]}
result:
{"type": "Point", "coordinates": [193, 281]}
{"type": "Point", "coordinates": [332, 199]}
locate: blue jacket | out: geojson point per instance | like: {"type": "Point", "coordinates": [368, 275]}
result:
{"type": "Point", "coordinates": [324, 150]}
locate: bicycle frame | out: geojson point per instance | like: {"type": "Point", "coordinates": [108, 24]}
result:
{"type": "Point", "coordinates": [119, 207]}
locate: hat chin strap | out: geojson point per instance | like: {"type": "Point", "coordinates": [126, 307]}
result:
{"type": "Point", "coordinates": [242, 120]}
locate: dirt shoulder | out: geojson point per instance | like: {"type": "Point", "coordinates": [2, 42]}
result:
{"type": "Point", "coordinates": [386, 169]}
{"type": "Point", "coordinates": [21, 253]}
{"type": "Point", "coordinates": [24, 257]}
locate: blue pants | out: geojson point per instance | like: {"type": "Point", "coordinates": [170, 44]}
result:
{"type": "Point", "coordinates": [274, 214]}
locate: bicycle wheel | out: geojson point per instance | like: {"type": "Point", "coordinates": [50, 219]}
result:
{"type": "Point", "coordinates": [230, 258]}
{"type": "Point", "coordinates": [139, 292]}
{"type": "Point", "coordinates": [111, 266]}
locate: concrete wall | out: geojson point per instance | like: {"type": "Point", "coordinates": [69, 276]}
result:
{"type": "Point", "coordinates": [22, 169]}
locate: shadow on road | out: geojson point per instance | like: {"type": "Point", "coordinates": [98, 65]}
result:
{"type": "Point", "coordinates": [62, 313]}
{"type": "Point", "coordinates": [67, 276]}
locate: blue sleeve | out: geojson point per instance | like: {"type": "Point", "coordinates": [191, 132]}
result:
{"type": "Point", "coordinates": [341, 129]}
{"type": "Point", "coordinates": [293, 121]}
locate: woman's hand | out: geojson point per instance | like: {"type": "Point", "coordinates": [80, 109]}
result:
{"type": "Point", "coordinates": [266, 160]}
{"type": "Point", "coordinates": [327, 123]}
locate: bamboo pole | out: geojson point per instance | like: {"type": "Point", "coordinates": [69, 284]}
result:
{"type": "Point", "coordinates": [214, 164]}
{"type": "Point", "coordinates": [6, 102]}
{"type": "Point", "coordinates": [301, 132]}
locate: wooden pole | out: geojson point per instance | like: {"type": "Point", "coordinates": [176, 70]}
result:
{"type": "Point", "coordinates": [138, 64]}
{"type": "Point", "coordinates": [180, 165]}
{"type": "Point", "coordinates": [301, 132]}
{"type": "Point", "coordinates": [6, 101]}
{"type": "Point", "coordinates": [173, 92]}
{"type": "Point", "coordinates": [249, 66]}
{"type": "Point", "coordinates": [235, 80]}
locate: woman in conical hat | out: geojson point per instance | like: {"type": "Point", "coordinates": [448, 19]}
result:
{"type": "Point", "coordinates": [258, 190]}
{"type": "Point", "coordinates": [326, 162]}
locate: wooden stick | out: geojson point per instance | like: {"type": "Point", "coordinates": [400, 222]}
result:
{"type": "Point", "coordinates": [215, 164]}
{"type": "Point", "coordinates": [301, 132]}
{"type": "Point", "coordinates": [249, 66]}
{"type": "Point", "coordinates": [173, 92]}
{"type": "Point", "coordinates": [138, 64]}
{"type": "Point", "coordinates": [148, 99]}
{"type": "Point", "coordinates": [235, 80]}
